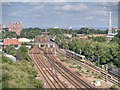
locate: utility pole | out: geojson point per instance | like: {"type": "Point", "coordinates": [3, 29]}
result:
{"type": "Point", "coordinates": [106, 73]}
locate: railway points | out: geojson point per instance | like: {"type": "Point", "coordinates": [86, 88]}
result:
{"type": "Point", "coordinates": [55, 73]}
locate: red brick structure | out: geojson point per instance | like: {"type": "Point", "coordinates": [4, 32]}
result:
{"type": "Point", "coordinates": [15, 27]}
{"type": "Point", "coordinates": [99, 35]}
{"type": "Point", "coordinates": [11, 42]}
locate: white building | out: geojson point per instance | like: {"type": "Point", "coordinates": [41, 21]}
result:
{"type": "Point", "coordinates": [23, 40]}
{"type": "Point", "coordinates": [68, 35]}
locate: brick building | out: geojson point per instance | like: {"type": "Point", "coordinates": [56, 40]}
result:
{"type": "Point", "coordinates": [15, 27]}
{"type": "Point", "coordinates": [12, 41]}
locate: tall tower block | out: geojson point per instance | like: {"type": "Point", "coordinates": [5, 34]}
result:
{"type": "Point", "coordinates": [110, 25]}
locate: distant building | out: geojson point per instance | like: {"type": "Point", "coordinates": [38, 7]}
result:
{"type": "Point", "coordinates": [70, 28]}
{"type": "Point", "coordinates": [12, 41]}
{"type": "Point", "coordinates": [99, 35]}
{"type": "Point", "coordinates": [15, 27]}
{"type": "Point", "coordinates": [68, 35]}
{"type": "Point", "coordinates": [114, 30]}
{"type": "Point", "coordinates": [82, 36]}
{"type": "Point", "coordinates": [56, 27]}
{"type": "Point", "coordinates": [23, 40]}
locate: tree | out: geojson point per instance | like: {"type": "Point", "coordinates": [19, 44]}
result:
{"type": "Point", "coordinates": [99, 39]}
{"type": "Point", "coordinates": [21, 74]}
{"type": "Point", "coordinates": [10, 35]}
{"type": "Point", "coordinates": [117, 61]}
{"type": "Point", "coordinates": [30, 33]}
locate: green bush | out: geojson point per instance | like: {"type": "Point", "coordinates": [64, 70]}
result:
{"type": "Point", "coordinates": [19, 75]}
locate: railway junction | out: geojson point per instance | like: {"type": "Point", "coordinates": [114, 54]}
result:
{"type": "Point", "coordinates": [55, 73]}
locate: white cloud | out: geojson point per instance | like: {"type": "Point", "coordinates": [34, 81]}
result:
{"type": "Point", "coordinates": [105, 0]}
{"type": "Point", "coordinates": [76, 7]}
{"type": "Point", "coordinates": [98, 13]}
{"type": "Point", "coordinates": [59, 0]}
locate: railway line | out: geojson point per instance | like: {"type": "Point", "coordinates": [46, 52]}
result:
{"type": "Point", "coordinates": [54, 61]}
{"type": "Point", "coordinates": [71, 77]}
{"type": "Point", "coordinates": [46, 77]}
{"type": "Point", "coordinates": [96, 69]}
{"type": "Point", "coordinates": [40, 62]}
{"type": "Point", "coordinates": [50, 72]}
{"type": "Point", "coordinates": [71, 74]}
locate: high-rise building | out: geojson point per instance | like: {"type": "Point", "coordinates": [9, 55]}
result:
{"type": "Point", "coordinates": [15, 27]}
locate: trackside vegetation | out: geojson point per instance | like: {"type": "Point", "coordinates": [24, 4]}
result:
{"type": "Point", "coordinates": [19, 74]}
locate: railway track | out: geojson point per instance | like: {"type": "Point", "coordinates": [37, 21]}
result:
{"type": "Point", "coordinates": [52, 60]}
{"type": "Point", "coordinates": [40, 63]}
{"type": "Point", "coordinates": [87, 86]}
{"type": "Point", "coordinates": [57, 82]}
{"type": "Point", "coordinates": [57, 64]}
{"type": "Point", "coordinates": [91, 66]}
{"type": "Point", "coordinates": [98, 70]}
{"type": "Point", "coordinates": [44, 74]}
{"type": "Point", "coordinates": [66, 76]}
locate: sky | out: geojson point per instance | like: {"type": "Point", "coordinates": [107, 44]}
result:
{"type": "Point", "coordinates": [60, 14]}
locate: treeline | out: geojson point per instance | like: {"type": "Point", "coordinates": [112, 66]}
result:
{"type": "Point", "coordinates": [91, 31]}
{"type": "Point", "coordinates": [33, 32]}
{"type": "Point", "coordinates": [102, 53]}
{"type": "Point", "coordinates": [97, 49]}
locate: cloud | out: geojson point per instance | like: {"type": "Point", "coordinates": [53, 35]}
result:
{"type": "Point", "coordinates": [34, 0]}
{"type": "Point", "coordinates": [60, 1]}
{"type": "Point", "coordinates": [76, 7]}
{"type": "Point", "coordinates": [105, 0]}
{"type": "Point", "coordinates": [97, 13]}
